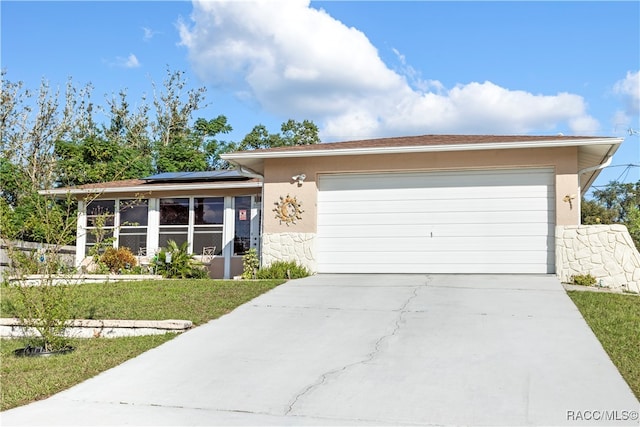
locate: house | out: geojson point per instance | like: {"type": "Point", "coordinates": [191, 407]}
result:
{"type": "Point", "coordinates": [424, 204]}
{"type": "Point", "coordinates": [418, 204]}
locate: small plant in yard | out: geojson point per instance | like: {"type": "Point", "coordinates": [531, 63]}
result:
{"type": "Point", "coordinates": [118, 260]}
{"type": "Point", "coordinates": [283, 270]}
{"type": "Point", "coordinates": [101, 235]}
{"type": "Point", "coordinates": [250, 263]}
{"type": "Point", "coordinates": [44, 311]}
{"type": "Point", "coordinates": [45, 308]}
{"type": "Point", "coordinates": [583, 280]}
{"type": "Point", "coordinates": [176, 262]}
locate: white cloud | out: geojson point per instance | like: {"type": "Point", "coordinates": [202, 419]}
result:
{"type": "Point", "coordinates": [148, 34]}
{"type": "Point", "coordinates": [129, 62]}
{"type": "Point", "coordinates": [299, 62]}
{"type": "Point", "coordinates": [629, 90]}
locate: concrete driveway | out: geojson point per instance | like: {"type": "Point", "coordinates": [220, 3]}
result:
{"type": "Point", "coordinates": [367, 350]}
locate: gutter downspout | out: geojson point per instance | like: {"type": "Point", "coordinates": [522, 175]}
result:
{"type": "Point", "coordinates": [597, 167]}
{"type": "Point", "coordinates": [248, 172]}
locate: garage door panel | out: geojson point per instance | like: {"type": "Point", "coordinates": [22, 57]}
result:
{"type": "Point", "coordinates": [440, 257]}
{"type": "Point", "coordinates": [470, 193]}
{"type": "Point", "coordinates": [435, 244]}
{"type": "Point", "coordinates": [471, 221]}
{"type": "Point", "coordinates": [460, 268]}
{"type": "Point", "coordinates": [448, 230]}
{"type": "Point", "coordinates": [444, 179]}
{"type": "Point", "coordinates": [435, 205]}
{"type": "Point", "coordinates": [474, 217]}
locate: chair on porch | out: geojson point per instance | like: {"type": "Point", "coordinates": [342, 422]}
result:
{"type": "Point", "coordinates": [143, 260]}
{"type": "Point", "coordinates": [208, 252]}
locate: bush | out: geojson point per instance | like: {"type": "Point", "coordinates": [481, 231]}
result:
{"type": "Point", "coordinates": [250, 263]}
{"type": "Point", "coordinates": [182, 265]}
{"type": "Point", "coordinates": [23, 263]}
{"type": "Point", "coordinates": [283, 270]}
{"type": "Point", "coordinates": [119, 259]}
{"type": "Point", "coordinates": [583, 280]}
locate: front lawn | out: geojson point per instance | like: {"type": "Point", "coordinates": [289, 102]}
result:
{"type": "Point", "coordinates": [615, 320]}
{"type": "Point", "coordinates": [27, 379]}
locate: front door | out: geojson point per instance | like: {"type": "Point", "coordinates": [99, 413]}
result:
{"type": "Point", "coordinates": [246, 230]}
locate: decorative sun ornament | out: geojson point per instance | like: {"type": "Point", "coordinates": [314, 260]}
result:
{"type": "Point", "coordinates": [288, 210]}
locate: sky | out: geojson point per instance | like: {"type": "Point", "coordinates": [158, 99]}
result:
{"type": "Point", "coordinates": [358, 69]}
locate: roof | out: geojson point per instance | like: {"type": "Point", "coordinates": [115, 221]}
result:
{"type": "Point", "coordinates": [417, 141]}
{"type": "Point", "coordinates": [592, 150]}
{"type": "Point", "coordinates": [150, 184]}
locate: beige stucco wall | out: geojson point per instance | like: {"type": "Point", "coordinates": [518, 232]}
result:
{"type": "Point", "coordinates": [278, 173]}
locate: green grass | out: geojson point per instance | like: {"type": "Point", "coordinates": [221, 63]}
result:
{"type": "Point", "coordinates": [189, 299]}
{"type": "Point", "coordinates": [24, 380]}
{"type": "Point", "coordinates": [615, 320]}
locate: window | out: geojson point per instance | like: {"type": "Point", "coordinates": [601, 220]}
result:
{"type": "Point", "coordinates": [100, 225]}
{"type": "Point", "coordinates": [174, 221]}
{"type": "Point", "coordinates": [208, 219]}
{"type": "Point", "coordinates": [133, 225]}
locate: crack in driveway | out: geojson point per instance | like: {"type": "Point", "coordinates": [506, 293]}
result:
{"type": "Point", "coordinates": [368, 358]}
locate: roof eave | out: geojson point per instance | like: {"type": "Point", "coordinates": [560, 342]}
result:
{"type": "Point", "coordinates": [584, 187]}
{"type": "Point", "coordinates": [254, 159]}
{"type": "Point", "coordinates": [149, 188]}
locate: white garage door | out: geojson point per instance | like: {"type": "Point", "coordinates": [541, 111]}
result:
{"type": "Point", "coordinates": [499, 221]}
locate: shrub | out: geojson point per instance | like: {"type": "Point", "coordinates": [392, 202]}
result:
{"type": "Point", "coordinates": [250, 263]}
{"type": "Point", "coordinates": [23, 263]}
{"type": "Point", "coordinates": [119, 259]}
{"type": "Point", "coordinates": [283, 270]}
{"type": "Point", "coordinates": [182, 265]}
{"type": "Point", "coordinates": [583, 280]}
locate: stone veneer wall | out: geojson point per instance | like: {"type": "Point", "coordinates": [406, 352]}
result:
{"type": "Point", "coordinates": [298, 247]}
{"type": "Point", "coordinates": [604, 251]}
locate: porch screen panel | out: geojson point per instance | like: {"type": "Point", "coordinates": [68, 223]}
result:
{"type": "Point", "coordinates": [208, 221]}
{"type": "Point", "coordinates": [133, 225]}
{"type": "Point", "coordinates": [174, 220]}
{"type": "Point", "coordinates": [100, 224]}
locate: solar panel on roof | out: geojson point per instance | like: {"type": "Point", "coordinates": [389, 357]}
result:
{"type": "Point", "coordinates": [216, 175]}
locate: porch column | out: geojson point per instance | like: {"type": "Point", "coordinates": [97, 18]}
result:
{"type": "Point", "coordinates": [228, 232]}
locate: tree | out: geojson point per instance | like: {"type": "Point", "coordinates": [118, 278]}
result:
{"type": "Point", "coordinates": [293, 133]}
{"type": "Point", "coordinates": [30, 125]}
{"type": "Point", "coordinates": [175, 147]}
{"type": "Point", "coordinates": [615, 203]}
{"type": "Point", "coordinates": [299, 133]}
{"type": "Point", "coordinates": [119, 150]}
{"type": "Point", "coordinates": [195, 150]}
{"type": "Point", "coordinates": [593, 212]}
{"type": "Point", "coordinates": [206, 132]}
{"type": "Point", "coordinates": [130, 130]}
{"type": "Point", "coordinates": [619, 198]}
{"type": "Point", "coordinates": [96, 159]}
{"type": "Point", "coordinates": [258, 138]}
